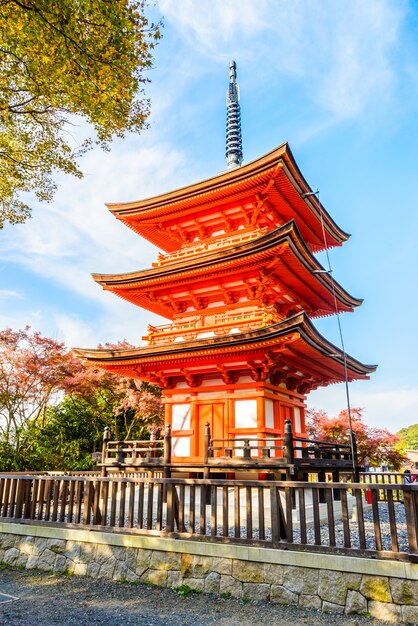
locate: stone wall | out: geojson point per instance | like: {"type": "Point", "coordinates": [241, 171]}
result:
{"type": "Point", "coordinates": [387, 590]}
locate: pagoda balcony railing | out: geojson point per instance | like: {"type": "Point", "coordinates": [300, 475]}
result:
{"type": "Point", "coordinates": [209, 246]}
{"type": "Point", "coordinates": [218, 324]}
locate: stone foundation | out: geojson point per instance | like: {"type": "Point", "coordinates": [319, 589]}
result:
{"type": "Point", "coordinates": [387, 590]}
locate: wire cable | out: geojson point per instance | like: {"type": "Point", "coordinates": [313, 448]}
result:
{"type": "Point", "coordinates": [337, 312]}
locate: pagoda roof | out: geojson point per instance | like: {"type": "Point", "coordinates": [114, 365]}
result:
{"type": "Point", "coordinates": [279, 261]}
{"type": "Point", "coordinates": [291, 351]}
{"type": "Point", "coordinates": [273, 180]}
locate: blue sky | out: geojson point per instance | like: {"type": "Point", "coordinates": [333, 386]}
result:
{"type": "Point", "coordinates": [339, 82]}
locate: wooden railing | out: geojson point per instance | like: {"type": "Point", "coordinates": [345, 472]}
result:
{"type": "Point", "coordinates": [285, 515]}
{"type": "Point", "coordinates": [210, 245]}
{"type": "Point", "coordinates": [223, 323]}
{"type": "Point", "coordinates": [298, 451]}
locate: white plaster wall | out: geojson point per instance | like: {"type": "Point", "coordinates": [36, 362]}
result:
{"type": "Point", "coordinates": [180, 419]}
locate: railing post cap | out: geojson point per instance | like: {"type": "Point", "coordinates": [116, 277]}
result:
{"type": "Point", "coordinates": [106, 434]}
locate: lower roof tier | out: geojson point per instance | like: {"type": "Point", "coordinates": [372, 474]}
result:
{"type": "Point", "coordinates": [290, 352]}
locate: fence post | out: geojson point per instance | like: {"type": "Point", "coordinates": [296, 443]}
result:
{"type": "Point", "coordinates": [167, 451]}
{"type": "Point", "coordinates": [247, 449]}
{"type": "Point", "coordinates": [410, 497]}
{"type": "Point", "coordinates": [106, 438]}
{"type": "Point", "coordinates": [206, 443]}
{"type": "Point", "coordinates": [288, 451]}
{"type": "Point", "coordinates": [356, 476]}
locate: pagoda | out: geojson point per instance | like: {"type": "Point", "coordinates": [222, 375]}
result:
{"type": "Point", "coordinates": [238, 284]}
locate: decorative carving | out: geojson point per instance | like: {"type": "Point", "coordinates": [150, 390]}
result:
{"type": "Point", "coordinates": [161, 379]}
{"type": "Point", "coordinates": [230, 297]}
{"type": "Point", "coordinates": [229, 377]}
{"type": "Point", "coordinates": [192, 379]}
{"type": "Point", "coordinates": [199, 302]}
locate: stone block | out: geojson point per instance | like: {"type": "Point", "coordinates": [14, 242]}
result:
{"type": "Point", "coordinates": [26, 545]}
{"type": "Point", "coordinates": [11, 556]}
{"type": "Point", "coordinates": [282, 595]}
{"type": "Point", "coordinates": [404, 591]}
{"type": "Point", "coordinates": [332, 587]}
{"type": "Point", "coordinates": [80, 569]}
{"type": "Point", "coordinates": [107, 568]}
{"type": "Point", "coordinates": [410, 614]}
{"type": "Point", "coordinates": [200, 566]}
{"type": "Point", "coordinates": [353, 581]}
{"type": "Point", "coordinates": [255, 591]}
{"type": "Point", "coordinates": [155, 577]}
{"type": "Point", "coordinates": [212, 582]}
{"type": "Point", "coordinates": [32, 562]}
{"type": "Point", "coordinates": [57, 545]}
{"type": "Point", "coordinates": [88, 552]}
{"type": "Point", "coordinates": [385, 611]}
{"type": "Point", "coordinates": [143, 560]}
{"type": "Point", "coordinates": [355, 603]}
{"type": "Point", "coordinates": [60, 564]}
{"type": "Point", "coordinates": [130, 576]}
{"type": "Point", "coordinates": [73, 551]}
{"type": "Point", "coordinates": [120, 571]}
{"type": "Point", "coordinates": [40, 545]}
{"type": "Point", "coordinates": [301, 580]}
{"type": "Point", "coordinates": [8, 541]}
{"type": "Point", "coordinates": [273, 573]}
{"type": "Point", "coordinates": [93, 569]}
{"type": "Point", "coordinates": [46, 560]}
{"type": "Point", "coordinates": [130, 558]}
{"type": "Point", "coordinates": [310, 602]}
{"type": "Point", "coordinates": [165, 560]}
{"type": "Point", "coordinates": [230, 585]}
{"type": "Point", "coordinates": [174, 579]}
{"type": "Point", "coordinates": [376, 588]}
{"type": "Point", "coordinates": [222, 566]}
{"type": "Point", "coordinates": [103, 554]}
{"type": "Point", "coordinates": [330, 607]}
{"type": "Point", "coordinates": [197, 584]}
{"type": "Point", "coordinates": [248, 572]}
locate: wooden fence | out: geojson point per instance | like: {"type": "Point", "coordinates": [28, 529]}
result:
{"type": "Point", "coordinates": [287, 515]}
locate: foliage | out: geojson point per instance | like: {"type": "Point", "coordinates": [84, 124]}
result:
{"type": "Point", "coordinates": [377, 445]}
{"type": "Point", "coordinates": [408, 438]}
{"type": "Point", "coordinates": [53, 408]}
{"type": "Point", "coordinates": [61, 60]}
{"type": "Point", "coordinates": [32, 372]}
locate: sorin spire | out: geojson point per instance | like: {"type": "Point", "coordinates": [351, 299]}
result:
{"type": "Point", "coordinates": [233, 121]}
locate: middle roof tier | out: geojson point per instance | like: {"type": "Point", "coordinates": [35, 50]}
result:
{"type": "Point", "coordinates": [275, 269]}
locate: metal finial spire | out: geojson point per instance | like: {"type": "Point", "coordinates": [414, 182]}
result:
{"type": "Point", "coordinates": [233, 121]}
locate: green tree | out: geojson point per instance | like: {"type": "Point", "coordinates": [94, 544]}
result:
{"type": "Point", "coordinates": [408, 438]}
{"type": "Point", "coordinates": [61, 60]}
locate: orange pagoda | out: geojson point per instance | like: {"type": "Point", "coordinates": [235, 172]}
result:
{"type": "Point", "coordinates": [238, 284]}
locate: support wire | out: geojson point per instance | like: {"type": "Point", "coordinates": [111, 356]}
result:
{"type": "Point", "coordinates": [329, 271]}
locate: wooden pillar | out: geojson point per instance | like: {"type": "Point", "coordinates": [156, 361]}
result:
{"type": "Point", "coordinates": [106, 438]}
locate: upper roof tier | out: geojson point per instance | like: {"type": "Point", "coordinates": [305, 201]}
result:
{"type": "Point", "coordinates": [267, 193]}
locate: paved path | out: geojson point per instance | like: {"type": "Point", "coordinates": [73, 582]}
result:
{"type": "Point", "coordinates": [48, 600]}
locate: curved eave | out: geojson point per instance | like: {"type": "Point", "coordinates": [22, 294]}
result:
{"type": "Point", "coordinates": [297, 257]}
{"type": "Point", "coordinates": [297, 330]}
{"type": "Point", "coordinates": [143, 215]}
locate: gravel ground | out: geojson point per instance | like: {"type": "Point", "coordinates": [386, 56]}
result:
{"type": "Point", "coordinates": [48, 600]}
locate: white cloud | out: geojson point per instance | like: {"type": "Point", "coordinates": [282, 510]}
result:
{"type": "Point", "coordinates": [5, 294]}
{"type": "Point", "coordinates": [340, 50]}
{"type": "Point", "coordinates": [77, 235]}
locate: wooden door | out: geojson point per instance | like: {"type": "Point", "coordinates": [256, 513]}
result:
{"type": "Point", "coordinates": [213, 414]}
